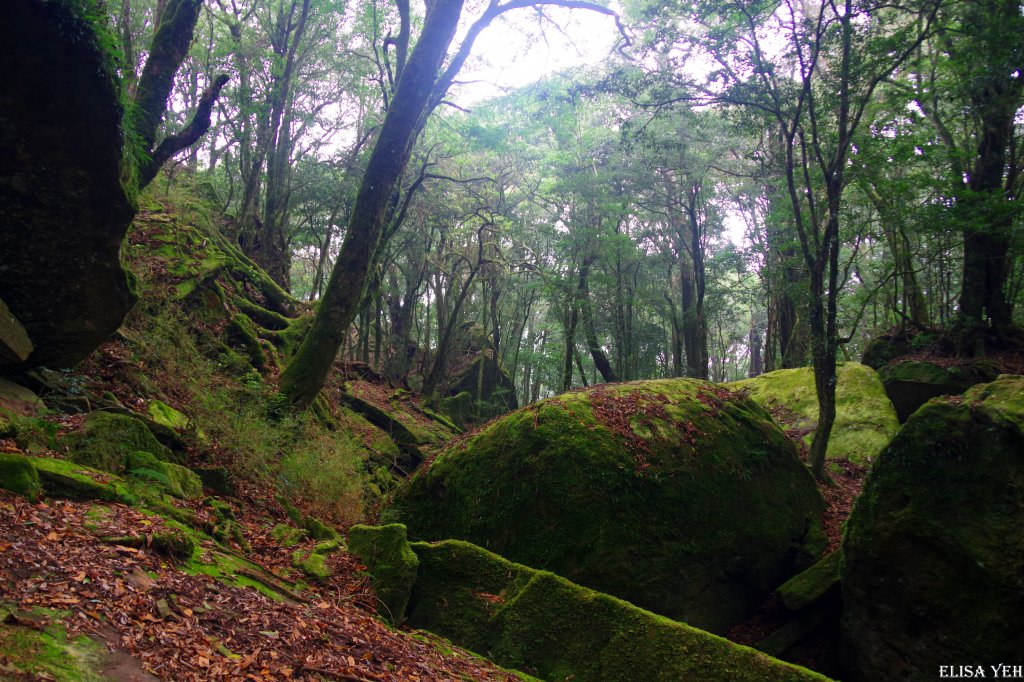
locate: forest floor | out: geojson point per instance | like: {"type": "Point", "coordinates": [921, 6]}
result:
{"type": "Point", "coordinates": [160, 621]}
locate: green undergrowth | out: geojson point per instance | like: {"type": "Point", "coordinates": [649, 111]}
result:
{"type": "Point", "coordinates": [228, 402]}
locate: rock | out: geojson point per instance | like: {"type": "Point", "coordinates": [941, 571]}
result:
{"type": "Point", "coordinates": [934, 548]}
{"type": "Point", "coordinates": [19, 400]}
{"type": "Point", "coordinates": [459, 407]}
{"type": "Point", "coordinates": [107, 439]}
{"type": "Point", "coordinates": [386, 553]}
{"type": "Point", "coordinates": [677, 495]}
{"type": "Point", "coordinates": [865, 419]}
{"type": "Point", "coordinates": [15, 346]}
{"type": "Point", "coordinates": [288, 536]}
{"type": "Point", "coordinates": [19, 476]}
{"type": "Point", "coordinates": [172, 479]}
{"type": "Point", "coordinates": [489, 388]}
{"type": "Point", "coordinates": [216, 479]}
{"type": "Point", "coordinates": [64, 209]}
{"type": "Point", "coordinates": [912, 383]}
{"type": "Point", "coordinates": [312, 564]}
{"type": "Point", "coordinates": [885, 348]}
{"type": "Point", "coordinates": [66, 480]}
{"type": "Point", "coordinates": [165, 415]}
{"type": "Point", "coordinates": [317, 529]}
{"type": "Point", "coordinates": [811, 585]}
{"type": "Point", "coordinates": [541, 623]}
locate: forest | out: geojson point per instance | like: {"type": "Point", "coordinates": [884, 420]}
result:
{"type": "Point", "coordinates": [511, 339]}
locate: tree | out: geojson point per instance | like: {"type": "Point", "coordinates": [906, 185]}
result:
{"type": "Point", "coordinates": [420, 86]}
{"type": "Point", "coordinates": [838, 55]}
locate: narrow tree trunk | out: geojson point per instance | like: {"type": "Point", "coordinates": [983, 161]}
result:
{"type": "Point", "coordinates": [604, 366]}
{"type": "Point", "coordinates": [307, 372]}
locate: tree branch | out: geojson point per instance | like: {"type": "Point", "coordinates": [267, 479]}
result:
{"type": "Point", "coordinates": [196, 128]}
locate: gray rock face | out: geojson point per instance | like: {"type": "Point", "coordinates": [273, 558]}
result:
{"type": "Point", "coordinates": [63, 208]}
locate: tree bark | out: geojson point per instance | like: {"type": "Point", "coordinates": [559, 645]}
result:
{"type": "Point", "coordinates": [601, 361]}
{"type": "Point", "coordinates": [306, 374]}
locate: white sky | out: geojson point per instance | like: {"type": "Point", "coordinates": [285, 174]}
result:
{"type": "Point", "coordinates": [520, 48]}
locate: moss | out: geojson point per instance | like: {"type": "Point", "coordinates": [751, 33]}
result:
{"type": "Point", "coordinates": [97, 516]}
{"type": "Point", "coordinates": [912, 383]}
{"type": "Point", "coordinates": [288, 536]}
{"type": "Point", "coordinates": [173, 479]}
{"type": "Point", "coordinates": [19, 476]}
{"type": "Point", "coordinates": [391, 562]}
{"type": "Point", "coordinates": [174, 544]}
{"type": "Point", "coordinates": [327, 547]}
{"type": "Point", "coordinates": [544, 624]}
{"type": "Point", "coordinates": [215, 478]}
{"type": "Point", "coordinates": [107, 438]}
{"type": "Point", "coordinates": [676, 495]}
{"type": "Point", "coordinates": [165, 415]}
{"type": "Point", "coordinates": [312, 564]}
{"type": "Point", "coordinates": [865, 418]}
{"type": "Point", "coordinates": [225, 566]}
{"type": "Point", "coordinates": [68, 480]}
{"type": "Point", "coordinates": [189, 256]}
{"type": "Point", "coordinates": [48, 652]}
{"type": "Point", "coordinates": [812, 584]}
{"type": "Point", "coordinates": [934, 548]}
{"type": "Point", "coordinates": [459, 407]}
{"type": "Point", "coordinates": [7, 428]}
{"type": "Point", "coordinates": [316, 528]}
{"type": "Point", "coordinates": [242, 331]}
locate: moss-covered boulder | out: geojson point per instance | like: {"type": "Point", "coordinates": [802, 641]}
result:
{"type": "Point", "coordinates": [35, 645]}
{"type": "Point", "coordinates": [18, 475]}
{"type": "Point", "coordinates": [106, 439]}
{"type": "Point", "coordinates": [547, 626]}
{"type": "Point", "coordinates": [15, 346]}
{"type": "Point", "coordinates": [68, 480]}
{"type": "Point", "coordinates": [392, 564]}
{"type": "Point", "coordinates": [64, 209]}
{"type": "Point", "coordinates": [487, 389]}
{"type": "Point", "coordinates": [677, 495]}
{"type": "Point", "coordinates": [865, 419]}
{"type": "Point", "coordinates": [912, 383]}
{"type": "Point", "coordinates": [167, 477]}
{"type": "Point", "coordinates": [934, 548]}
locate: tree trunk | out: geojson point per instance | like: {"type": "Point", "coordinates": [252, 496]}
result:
{"type": "Point", "coordinates": [307, 372]}
{"type": "Point", "coordinates": [570, 345]}
{"type": "Point", "coordinates": [996, 95]}
{"type": "Point", "coordinates": [604, 366]}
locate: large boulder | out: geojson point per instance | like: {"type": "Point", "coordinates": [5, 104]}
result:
{"type": "Point", "coordinates": [934, 549]}
{"type": "Point", "coordinates": [911, 383]}
{"type": "Point", "coordinates": [543, 624]}
{"type": "Point", "coordinates": [478, 387]}
{"type": "Point", "coordinates": [865, 419]}
{"type": "Point", "coordinates": [63, 207]}
{"type": "Point", "coordinates": [677, 495]}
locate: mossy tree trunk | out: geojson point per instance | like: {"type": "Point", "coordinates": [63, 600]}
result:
{"type": "Point", "coordinates": [988, 212]}
{"type": "Point", "coordinates": [306, 374]}
{"type": "Point", "coordinates": [166, 53]}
